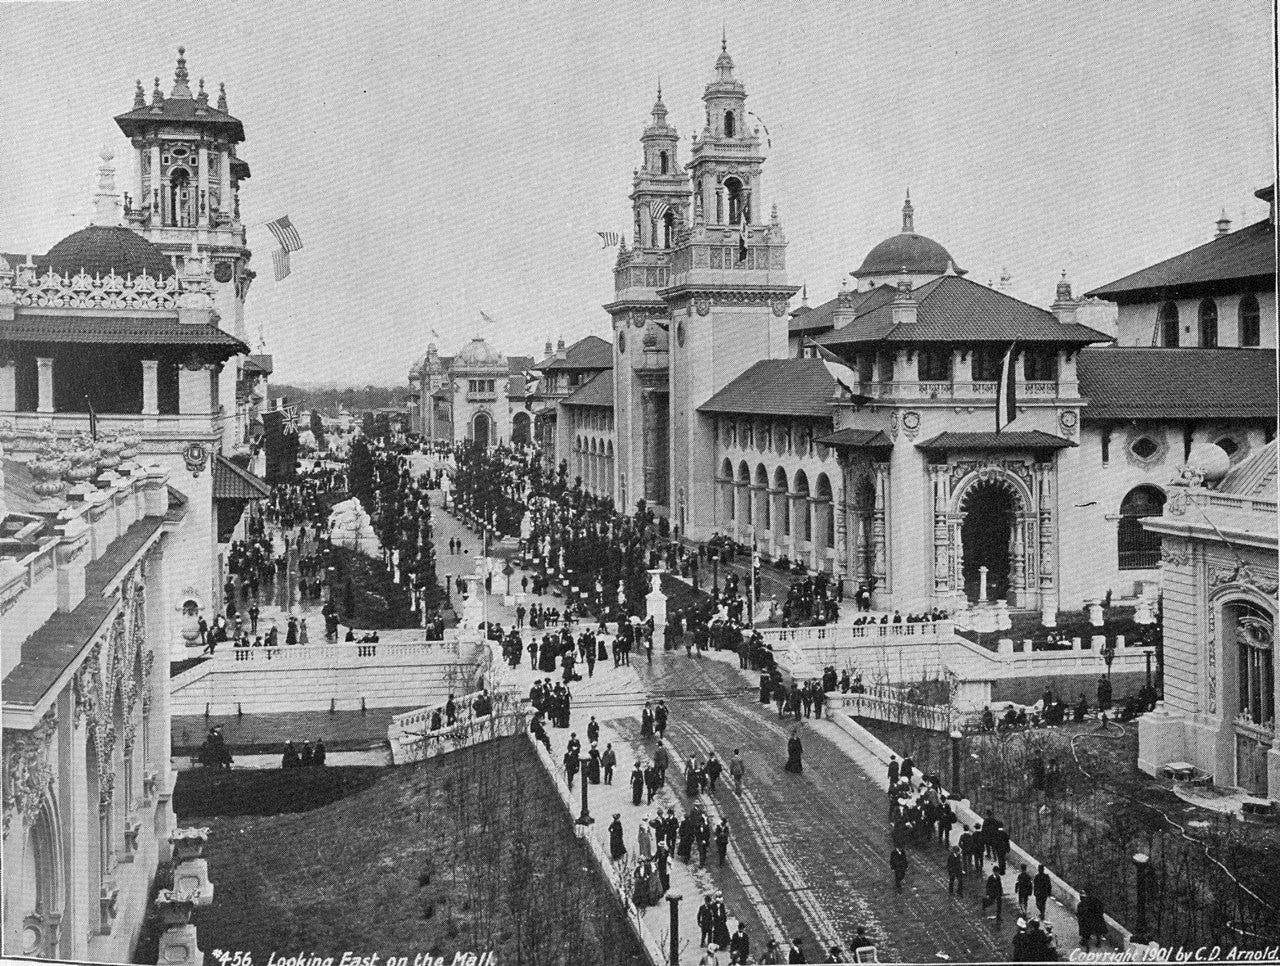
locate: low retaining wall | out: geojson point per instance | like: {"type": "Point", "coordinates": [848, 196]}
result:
{"type": "Point", "coordinates": [411, 740]}
{"type": "Point", "coordinates": [317, 677]}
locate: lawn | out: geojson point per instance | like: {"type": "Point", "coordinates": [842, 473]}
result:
{"type": "Point", "coordinates": [469, 851]}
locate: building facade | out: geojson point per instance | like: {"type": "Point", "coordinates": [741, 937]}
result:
{"type": "Point", "coordinates": [478, 395]}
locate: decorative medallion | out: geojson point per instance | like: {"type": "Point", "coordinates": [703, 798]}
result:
{"type": "Point", "coordinates": [779, 307]}
{"type": "Point", "coordinates": [1068, 420]}
{"type": "Point", "coordinates": [222, 272]}
{"type": "Point", "coordinates": [195, 456]}
{"type": "Point", "coordinates": [702, 304]}
{"type": "Point", "coordinates": [911, 424]}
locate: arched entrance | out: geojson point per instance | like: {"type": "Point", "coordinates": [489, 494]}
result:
{"type": "Point", "coordinates": [990, 513]}
{"type": "Point", "coordinates": [1249, 644]}
{"type": "Point", "coordinates": [482, 429]}
{"type": "Point", "coordinates": [520, 429]}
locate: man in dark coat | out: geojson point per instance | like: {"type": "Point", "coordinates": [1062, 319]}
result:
{"type": "Point", "coordinates": [740, 944]}
{"type": "Point", "coordinates": [706, 922]}
{"type": "Point", "coordinates": [898, 863]}
{"type": "Point", "coordinates": [955, 871]}
{"type": "Point", "coordinates": [994, 896]}
{"type": "Point", "coordinates": [1041, 889]}
{"type": "Point", "coordinates": [608, 761]}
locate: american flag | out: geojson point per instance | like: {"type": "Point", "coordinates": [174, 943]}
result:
{"type": "Point", "coordinates": [280, 258]}
{"type": "Point", "coordinates": [610, 238]}
{"type": "Point", "coordinates": [286, 234]}
{"type": "Point", "coordinates": [658, 209]}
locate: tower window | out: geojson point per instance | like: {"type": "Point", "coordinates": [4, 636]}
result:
{"type": "Point", "coordinates": [734, 193]}
{"type": "Point", "coordinates": [728, 124]}
{"type": "Point", "coordinates": [1250, 322]}
{"type": "Point", "coordinates": [1208, 324]}
{"type": "Point", "coordinates": [1168, 325]}
{"type": "Point", "coordinates": [668, 229]}
{"type": "Point", "coordinates": [663, 162]}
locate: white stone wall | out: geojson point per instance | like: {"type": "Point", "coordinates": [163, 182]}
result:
{"type": "Point", "coordinates": [1137, 323]}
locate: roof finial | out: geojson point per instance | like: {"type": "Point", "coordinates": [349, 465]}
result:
{"type": "Point", "coordinates": [1223, 223]}
{"type": "Point", "coordinates": [804, 294]}
{"type": "Point", "coordinates": [659, 87]}
{"type": "Point", "coordinates": [724, 37]}
{"type": "Point", "coordinates": [157, 95]}
{"type": "Point", "coordinates": [180, 76]}
{"type": "Point", "coordinates": [106, 202]}
{"type": "Point", "coordinates": [139, 96]}
{"type": "Point", "coordinates": [222, 97]}
{"type": "Point", "coordinates": [908, 216]}
{"type": "Point", "coordinates": [203, 95]}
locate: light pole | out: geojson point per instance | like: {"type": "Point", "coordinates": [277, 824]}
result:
{"type": "Point", "coordinates": [1141, 863]}
{"type": "Point", "coordinates": [673, 899]}
{"type": "Point", "coordinates": [955, 762]}
{"type": "Point", "coordinates": [585, 818]}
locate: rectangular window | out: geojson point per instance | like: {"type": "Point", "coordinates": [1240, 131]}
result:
{"type": "Point", "coordinates": [935, 365]}
{"type": "Point", "coordinates": [1041, 365]}
{"type": "Point", "coordinates": [987, 362]}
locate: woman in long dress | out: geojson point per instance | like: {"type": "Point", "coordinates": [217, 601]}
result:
{"type": "Point", "coordinates": [794, 752]}
{"type": "Point", "coordinates": [617, 848]}
{"type": "Point", "coordinates": [644, 839]}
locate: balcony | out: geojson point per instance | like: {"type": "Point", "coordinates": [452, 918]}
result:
{"type": "Point", "coordinates": [482, 397]}
{"type": "Point", "coordinates": [953, 391]}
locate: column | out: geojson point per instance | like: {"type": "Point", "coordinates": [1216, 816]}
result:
{"type": "Point", "coordinates": [8, 385]}
{"type": "Point", "coordinates": [879, 548]}
{"type": "Point", "coordinates": [150, 387]}
{"type": "Point", "coordinates": [203, 202]}
{"type": "Point", "coordinates": [1048, 544]}
{"type": "Point", "coordinates": [157, 206]}
{"type": "Point", "coordinates": [44, 402]}
{"type": "Point", "coordinates": [194, 390]}
{"type": "Point", "coordinates": [74, 813]}
{"type": "Point", "coordinates": [224, 195]}
{"type": "Point", "coordinates": [939, 478]}
{"type": "Point", "coordinates": [1018, 552]}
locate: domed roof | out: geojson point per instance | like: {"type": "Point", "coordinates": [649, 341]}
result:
{"type": "Point", "coordinates": [478, 353]}
{"type": "Point", "coordinates": [101, 249]}
{"type": "Point", "coordinates": [907, 252]}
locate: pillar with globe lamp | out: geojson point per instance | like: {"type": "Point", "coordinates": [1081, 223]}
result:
{"type": "Point", "coordinates": [584, 818]}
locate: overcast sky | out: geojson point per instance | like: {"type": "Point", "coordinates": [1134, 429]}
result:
{"type": "Point", "coordinates": [442, 158]}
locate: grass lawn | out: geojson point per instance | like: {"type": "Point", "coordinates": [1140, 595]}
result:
{"type": "Point", "coordinates": [469, 851]}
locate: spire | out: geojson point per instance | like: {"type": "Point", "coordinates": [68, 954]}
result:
{"type": "Point", "coordinates": [180, 86]}
{"type": "Point", "coordinates": [139, 96]}
{"type": "Point", "coordinates": [203, 96]}
{"type": "Point", "coordinates": [659, 109]}
{"type": "Point", "coordinates": [1223, 223]}
{"type": "Point", "coordinates": [804, 294]}
{"type": "Point", "coordinates": [1064, 288]}
{"type": "Point", "coordinates": [908, 216]}
{"type": "Point", "coordinates": [157, 95]}
{"type": "Point", "coordinates": [724, 63]}
{"type": "Point", "coordinates": [106, 202]}
{"type": "Point", "coordinates": [222, 97]}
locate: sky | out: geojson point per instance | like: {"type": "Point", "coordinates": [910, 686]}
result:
{"type": "Point", "coordinates": [446, 158]}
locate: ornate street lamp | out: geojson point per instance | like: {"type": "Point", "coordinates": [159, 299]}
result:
{"type": "Point", "coordinates": [584, 819]}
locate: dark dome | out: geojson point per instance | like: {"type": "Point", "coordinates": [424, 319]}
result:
{"type": "Point", "coordinates": [100, 249]}
{"type": "Point", "coordinates": [915, 253]}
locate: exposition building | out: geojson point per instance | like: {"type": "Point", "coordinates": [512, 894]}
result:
{"type": "Point", "coordinates": [479, 394]}
{"type": "Point", "coordinates": [125, 390]}
{"type": "Point", "coordinates": [724, 420]}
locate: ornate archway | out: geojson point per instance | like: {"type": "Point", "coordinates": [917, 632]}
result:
{"type": "Point", "coordinates": [997, 515]}
{"type": "Point", "coordinates": [520, 433]}
{"type": "Point", "coordinates": [482, 429]}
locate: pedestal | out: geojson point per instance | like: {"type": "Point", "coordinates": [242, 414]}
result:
{"type": "Point", "coordinates": [656, 603]}
{"type": "Point", "coordinates": [178, 947]}
{"type": "Point", "coordinates": [192, 876]}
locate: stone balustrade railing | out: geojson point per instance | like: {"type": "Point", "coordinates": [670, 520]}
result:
{"type": "Point", "coordinates": [342, 654]}
{"type": "Point", "coordinates": [835, 634]}
{"type": "Point", "coordinates": [897, 711]}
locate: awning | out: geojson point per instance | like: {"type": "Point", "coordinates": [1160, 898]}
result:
{"type": "Point", "coordinates": [1000, 441]}
{"type": "Point", "coordinates": [230, 482]}
{"type": "Point", "coordinates": [857, 439]}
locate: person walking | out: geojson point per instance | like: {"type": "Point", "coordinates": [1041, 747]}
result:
{"type": "Point", "coordinates": [706, 922]}
{"type": "Point", "coordinates": [1022, 888]}
{"type": "Point", "coordinates": [713, 770]}
{"type": "Point", "coordinates": [795, 753]}
{"type": "Point", "coordinates": [608, 761]}
{"type": "Point", "coordinates": [736, 771]}
{"type": "Point", "coordinates": [637, 784]}
{"type": "Point", "coordinates": [955, 871]}
{"type": "Point", "coordinates": [1090, 919]}
{"type": "Point", "coordinates": [1041, 889]}
{"type": "Point", "coordinates": [898, 863]}
{"type": "Point", "coordinates": [722, 840]}
{"type": "Point", "coordinates": [994, 896]}
{"type": "Point", "coordinates": [617, 847]}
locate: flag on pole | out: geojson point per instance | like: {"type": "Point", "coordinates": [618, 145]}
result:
{"type": "Point", "coordinates": [610, 238]}
{"type": "Point", "coordinates": [839, 370]}
{"type": "Point", "coordinates": [1006, 394]}
{"type": "Point", "coordinates": [291, 419]}
{"type": "Point", "coordinates": [658, 209]}
{"type": "Point", "coordinates": [488, 319]}
{"type": "Point", "coordinates": [435, 334]}
{"type": "Point", "coordinates": [742, 234]}
{"type": "Point", "coordinates": [286, 234]}
{"type": "Point", "coordinates": [280, 259]}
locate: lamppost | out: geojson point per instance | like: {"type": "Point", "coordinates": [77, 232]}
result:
{"type": "Point", "coordinates": [673, 898]}
{"type": "Point", "coordinates": [955, 762]}
{"type": "Point", "coordinates": [585, 818]}
{"type": "Point", "coordinates": [1109, 655]}
{"type": "Point", "coordinates": [715, 576]}
{"type": "Point", "coordinates": [1141, 864]}
{"type": "Point", "coordinates": [448, 579]}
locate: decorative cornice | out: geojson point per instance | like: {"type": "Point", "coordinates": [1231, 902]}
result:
{"type": "Point", "coordinates": [28, 774]}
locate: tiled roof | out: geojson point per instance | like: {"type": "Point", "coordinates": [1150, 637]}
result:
{"type": "Point", "coordinates": [260, 362]}
{"type": "Point", "coordinates": [60, 640]}
{"type": "Point", "coordinates": [1254, 476]}
{"type": "Point", "coordinates": [591, 352]}
{"type": "Point", "coordinates": [126, 330]}
{"type": "Point", "coordinates": [232, 482]}
{"type": "Point", "coordinates": [1249, 253]}
{"type": "Point", "coordinates": [102, 249]}
{"type": "Point", "coordinates": [821, 319]}
{"type": "Point", "coordinates": [856, 438]}
{"type": "Point", "coordinates": [954, 309]}
{"type": "Point", "coordinates": [138, 121]}
{"type": "Point", "coordinates": [777, 387]}
{"type": "Point", "coordinates": [908, 252]}
{"type": "Point", "coordinates": [1024, 440]}
{"type": "Point", "coordinates": [597, 391]}
{"type": "Point", "coordinates": [516, 388]}
{"type": "Point", "coordinates": [1135, 382]}
{"type": "Point", "coordinates": [516, 364]}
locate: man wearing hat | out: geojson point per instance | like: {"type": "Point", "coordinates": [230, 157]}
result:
{"type": "Point", "coordinates": [740, 944]}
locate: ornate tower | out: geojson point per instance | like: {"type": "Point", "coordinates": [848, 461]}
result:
{"type": "Point", "coordinates": [188, 186]}
{"type": "Point", "coordinates": [728, 293]}
{"type": "Point", "coordinates": [660, 209]}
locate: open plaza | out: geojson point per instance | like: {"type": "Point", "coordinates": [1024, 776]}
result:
{"type": "Point", "coordinates": [929, 619]}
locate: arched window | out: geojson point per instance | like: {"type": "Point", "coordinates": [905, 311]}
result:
{"type": "Point", "coordinates": [1139, 549]}
{"type": "Point", "coordinates": [1208, 324]}
{"type": "Point", "coordinates": [1169, 325]}
{"type": "Point", "coordinates": [1255, 674]}
{"type": "Point", "coordinates": [1250, 319]}
{"type": "Point", "coordinates": [668, 229]}
{"type": "Point", "coordinates": [663, 162]}
{"type": "Point", "coordinates": [180, 197]}
{"type": "Point", "coordinates": [733, 192]}
{"type": "Point", "coordinates": [729, 124]}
